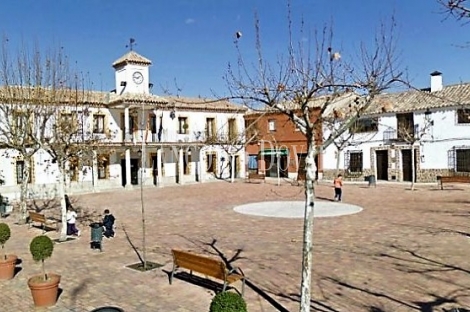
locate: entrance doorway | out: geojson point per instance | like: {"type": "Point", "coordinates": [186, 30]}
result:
{"type": "Point", "coordinates": [406, 165]}
{"type": "Point", "coordinates": [236, 160]}
{"type": "Point", "coordinates": [382, 164]}
{"type": "Point", "coordinates": [271, 163]}
{"type": "Point", "coordinates": [134, 171]}
{"type": "Point", "coordinates": [154, 169]}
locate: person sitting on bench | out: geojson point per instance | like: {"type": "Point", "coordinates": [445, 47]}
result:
{"type": "Point", "coordinates": [108, 223]}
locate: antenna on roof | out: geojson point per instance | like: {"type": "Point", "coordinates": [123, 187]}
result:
{"type": "Point", "coordinates": [131, 44]}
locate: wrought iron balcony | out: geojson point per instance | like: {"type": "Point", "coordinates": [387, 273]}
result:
{"type": "Point", "coordinates": [390, 135]}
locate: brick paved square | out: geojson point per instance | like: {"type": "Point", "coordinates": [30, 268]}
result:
{"type": "Point", "coordinates": [406, 251]}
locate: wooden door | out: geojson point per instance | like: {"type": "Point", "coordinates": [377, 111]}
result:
{"type": "Point", "coordinates": [382, 165]}
{"type": "Point", "coordinates": [406, 165]}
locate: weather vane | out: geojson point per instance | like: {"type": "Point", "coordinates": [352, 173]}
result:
{"type": "Point", "coordinates": [131, 44]}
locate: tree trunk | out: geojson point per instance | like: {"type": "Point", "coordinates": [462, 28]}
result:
{"type": "Point", "coordinates": [142, 206]}
{"type": "Point", "coordinates": [24, 191]}
{"type": "Point", "coordinates": [413, 174]}
{"type": "Point", "coordinates": [232, 168]}
{"type": "Point", "coordinates": [310, 169]}
{"type": "Point", "coordinates": [337, 161]}
{"type": "Point", "coordinates": [43, 269]}
{"type": "Point", "coordinates": [63, 206]}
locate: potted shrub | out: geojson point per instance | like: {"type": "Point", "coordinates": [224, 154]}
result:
{"type": "Point", "coordinates": [7, 262]}
{"type": "Point", "coordinates": [228, 302]}
{"type": "Point", "coordinates": [44, 287]}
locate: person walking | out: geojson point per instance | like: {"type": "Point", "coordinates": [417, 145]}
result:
{"type": "Point", "coordinates": [71, 217]}
{"type": "Point", "coordinates": [338, 183]}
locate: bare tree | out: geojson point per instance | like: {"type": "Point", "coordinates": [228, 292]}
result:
{"type": "Point", "coordinates": [24, 112]}
{"type": "Point", "coordinates": [303, 83]}
{"type": "Point", "coordinates": [232, 140]}
{"type": "Point", "coordinates": [47, 107]}
{"type": "Point", "coordinates": [456, 8]}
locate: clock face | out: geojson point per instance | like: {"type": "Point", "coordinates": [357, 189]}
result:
{"type": "Point", "coordinates": [137, 77]}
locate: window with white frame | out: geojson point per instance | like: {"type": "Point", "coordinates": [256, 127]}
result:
{"type": "Point", "coordinates": [211, 162]}
{"type": "Point", "coordinates": [20, 165]}
{"type": "Point", "coordinates": [98, 123]}
{"type": "Point", "coordinates": [272, 125]}
{"type": "Point", "coordinates": [182, 125]}
{"type": "Point", "coordinates": [103, 163]}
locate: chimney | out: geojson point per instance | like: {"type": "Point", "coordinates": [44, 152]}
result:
{"type": "Point", "coordinates": [436, 81]}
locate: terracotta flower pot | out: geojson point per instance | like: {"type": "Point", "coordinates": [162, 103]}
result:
{"type": "Point", "coordinates": [7, 267]}
{"type": "Point", "coordinates": [44, 292]}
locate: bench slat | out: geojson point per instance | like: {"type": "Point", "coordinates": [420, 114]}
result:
{"type": "Point", "coordinates": [452, 179]}
{"type": "Point", "coordinates": [205, 265]}
{"type": "Point", "coordinates": [41, 218]}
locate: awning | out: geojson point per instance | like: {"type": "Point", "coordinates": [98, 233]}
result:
{"type": "Point", "coordinates": [273, 151]}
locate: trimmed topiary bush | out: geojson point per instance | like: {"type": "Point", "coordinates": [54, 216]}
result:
{"type": "Point", "coordinates": [228, 302]}
{"type": "Point", "coordinates": [41, 248]}
{"type": "Point", "coordinates": [5, 234]}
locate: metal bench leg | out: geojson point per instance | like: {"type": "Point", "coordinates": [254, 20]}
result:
{"type": "Point", "coordinates": [172, 273]}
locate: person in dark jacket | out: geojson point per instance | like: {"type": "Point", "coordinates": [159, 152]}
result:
{"type": "Point", "coordinates": [108, 223]}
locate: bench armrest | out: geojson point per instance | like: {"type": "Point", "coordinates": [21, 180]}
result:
{"type": "Point", "coordinates": [236, 270]}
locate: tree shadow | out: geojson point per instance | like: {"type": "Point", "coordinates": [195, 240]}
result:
{"type": "Point", "coordinates": [316, 305]}
{"type": "Point", "coordinates": [79, 289]}
{"type": "Point", "coordinates": [371, 292]}
{"type": "Point", "coordinates": [128, 238]}
{"type": "Point", "coordinates": [213, 249]}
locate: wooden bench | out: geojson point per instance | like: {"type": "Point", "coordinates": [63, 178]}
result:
{"type": "Point", "coordinates": [452, 179]}
{"type": "Point", "coordinates": [41, 218]}
{"type": "Point", "coordinates": [207, 266]}
{"type": "Point", "coordinates": [256, 177]}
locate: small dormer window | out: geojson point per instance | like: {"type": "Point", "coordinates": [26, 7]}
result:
{"type": "Point", "coordinates": [463, 116]}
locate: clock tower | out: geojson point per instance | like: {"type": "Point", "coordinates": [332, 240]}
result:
{"type": "Point", "coordinates": [132, 73]}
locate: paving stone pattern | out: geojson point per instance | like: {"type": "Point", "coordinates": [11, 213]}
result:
{"type": "Point", "coordinates": [406, 251]}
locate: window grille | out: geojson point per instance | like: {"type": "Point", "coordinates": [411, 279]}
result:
{"type": "Point", "coordinates": [354, 161]}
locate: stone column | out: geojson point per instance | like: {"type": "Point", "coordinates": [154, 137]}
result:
{"type": "Point", "coordinates": [95, 170]}
{"type": "Point", "coordinates": [201, 166]}
{"type": "Point", "coordinates": [159, 168]}
{"type": "Point", "coordinates": [180, 166]}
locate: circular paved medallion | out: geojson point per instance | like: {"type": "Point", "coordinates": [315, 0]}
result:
{"type": "Point", "coordinates": [295, 209]}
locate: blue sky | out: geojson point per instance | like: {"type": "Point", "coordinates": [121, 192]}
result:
{"type": "Point", "coordinates": [191, 41]}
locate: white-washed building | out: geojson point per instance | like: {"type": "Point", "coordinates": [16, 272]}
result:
{"type": "Point", "coordinates": [433, 122]}
{"type": "Point", "coordinates": [145, 138]}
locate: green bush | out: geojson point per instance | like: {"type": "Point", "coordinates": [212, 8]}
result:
{"type": "Point", "coordinates": [41, 248]}
{"type": "Point", "coordinates": [5, 234]}
{"type": "Point", "coordinates": [228, 302]}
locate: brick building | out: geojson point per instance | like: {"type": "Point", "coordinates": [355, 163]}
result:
{"type": "Point", "coordinates": [278, 146]}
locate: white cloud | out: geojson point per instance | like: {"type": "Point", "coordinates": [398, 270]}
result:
{"type": "Point", "coordinates": [189, 21]}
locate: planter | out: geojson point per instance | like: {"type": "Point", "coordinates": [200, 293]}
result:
{"type": "Point", "coordinates": [7, 267]}
{"type": "Point", "coordinates": [44, 292]}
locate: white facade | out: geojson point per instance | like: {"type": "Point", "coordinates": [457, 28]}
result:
{"type": "Point", "coordinates": [132, 125]}
{"type": "Point", "coordinates": [432, 122]}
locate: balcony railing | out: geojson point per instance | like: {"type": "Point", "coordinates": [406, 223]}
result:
{"type": "Point", "coordinates": [390, 135]}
